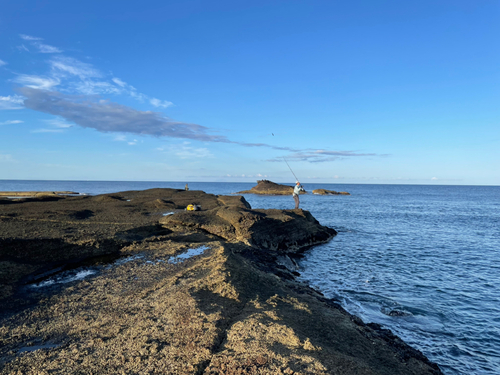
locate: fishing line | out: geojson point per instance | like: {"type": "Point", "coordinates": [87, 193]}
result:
{"type": "Point", "coordinates": [296, 179]}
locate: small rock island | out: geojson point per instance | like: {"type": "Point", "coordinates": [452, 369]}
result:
{"type": "Point", "coordinates": [329, 192]}
{"type": "Point", "coordinates": [266, 187]}
{"type": "Point", "coordinates": [132, 283]}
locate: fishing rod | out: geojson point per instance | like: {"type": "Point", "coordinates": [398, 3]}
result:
{"type": "Point", "coordinates": [296, 179]}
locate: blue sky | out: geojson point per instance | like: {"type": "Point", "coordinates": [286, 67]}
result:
{"type": "Point", "coordinates": [347, 92]}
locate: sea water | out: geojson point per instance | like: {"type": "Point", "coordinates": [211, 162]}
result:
{"type": "Point", "coordinates": [423, 261]}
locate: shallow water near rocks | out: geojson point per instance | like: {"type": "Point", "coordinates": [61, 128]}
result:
{"type": "Point", "coordinates": [423, 261]}
{"type": "Point", "coordinates": [80, 273]}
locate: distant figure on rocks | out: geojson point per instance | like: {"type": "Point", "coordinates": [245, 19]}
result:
{"type": "Point", "coordinates": [186, 187]}
{"type": "Point", "coordinates": [296, 191]}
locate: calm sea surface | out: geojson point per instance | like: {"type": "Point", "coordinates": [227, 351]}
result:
{"type": "Point", "coordinates": [423, 261]}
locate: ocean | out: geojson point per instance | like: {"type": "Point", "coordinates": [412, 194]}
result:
{"type": "Point", "coordinates": [421, 260]}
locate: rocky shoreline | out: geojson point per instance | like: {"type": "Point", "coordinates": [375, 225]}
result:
{"type": "Point", "coordinates": [176, 292]}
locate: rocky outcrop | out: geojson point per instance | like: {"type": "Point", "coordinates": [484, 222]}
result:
{"type": "Point", "coordinates": [199, 292]}
{"type": "Point", "coordinates": [35, 193]}
{"type": "Point", "coordinates": [329, 192]}
{"type": "Point", "coordinates": [266, 187]}
{"type": "Point", "coordinates": [287, 231]}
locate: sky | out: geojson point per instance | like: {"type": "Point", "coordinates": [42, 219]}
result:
{"type": "Point", "coordinates": [362, 91]}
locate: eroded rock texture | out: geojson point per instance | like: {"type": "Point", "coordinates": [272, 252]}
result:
{"type": "Point", "coordinates": [231, 307]}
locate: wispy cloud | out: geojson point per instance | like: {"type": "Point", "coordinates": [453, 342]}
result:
{"type": "Point", "coordinates": [78, 100]}
{"type": "Point", "coordinates": [186, 151]}
{"type": "Point", "coordinates": [11, 102]}
{"type": "Point", "coordinates": [73, 76]}
{"type": "Point", "coordinates": [28, 37]}
{"type": "Point", "coordinates": [11, 122]}
{"type": "Point", "coordinates": [318, 156]}
{"type": "Point", "coordinates": [123, 138]}
{"type": "Point", "coordinates": [105, 116]}
{"type": "Point", "coordinates": [62, 66]}
{"type": "Point", "coordinates": [36, 82]}
{"type": "Point", "coordinates": [76, 77]}
{"type": "Point", "coordinates": [55, 125]}
{"type": "Point", "coordinates": [58, 123]}
{"type": "Point", "coordinates": [43, 48]}
{"type": "Point", "coordinates": [160, 103]}
{"type": "Point", "coordinates": [2, 63]}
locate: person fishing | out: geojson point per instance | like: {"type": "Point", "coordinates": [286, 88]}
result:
{"type": "Point", "coordinates": [296, 191]}
{"type": "Point", "coordinates": [298, 187]}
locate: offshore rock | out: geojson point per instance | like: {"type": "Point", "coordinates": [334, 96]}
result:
{"type": "Point", "coordinates": [230, 308]}
{"type": "Point", "coordinates": [329, 192]}
{"type": "Point", "coordinates": [266, 187]}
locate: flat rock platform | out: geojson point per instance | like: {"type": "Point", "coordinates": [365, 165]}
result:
{"type": "Point", "coordinates": [132, 283]}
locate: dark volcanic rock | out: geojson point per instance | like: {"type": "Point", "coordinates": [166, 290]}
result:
{"type": "Point", "coordinates": [329, 192]}
{"type": "Point", "coordinates": [277, 230]}
{"type": "Point", "coordinates": [36, 236]}
{"type": "Point", "coordinates": [231, 308]}
{"type": "Point", "coordinates": [265, 187]}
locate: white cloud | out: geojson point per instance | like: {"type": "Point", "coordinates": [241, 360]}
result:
{"type": "Point", "coordinates": [11, 122]}
{"type": "Point", "coordinates": [2, 63]}
{"type": "Point", "coordinates": [45, 48]}
{"type": "Point", "coordinates": [37, 82]}
{"type": "Point", "coordinates": [119, 82]}
{"type": "Point", "coordinates": [28, 37]}
{"type": "Point", "coordinates": [160, 103]}
{"type": "Point", "coordinates": [58, 123]}
{"type": "Point", "coordinates": [11, 102]}
{"type": "Point", "coordinates": [74, 76]}
{"type": "Point", "coordinates": [63, 65]}
{"type": "Point", "coordinates": [123, 138]}
{"type": "Point", "coordinates": [35, 41]}
{"type": "Point", "coordinates": [22, 47]}
{"type": "Point", "coordinates": [434, 178]}
{"type": "Point", "coordinates": [89, 87]}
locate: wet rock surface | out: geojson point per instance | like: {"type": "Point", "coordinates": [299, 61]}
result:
{"type": "Point", "coordinates": [266, 187]}
{"type": "Point", "coordinates": [205, 292]}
